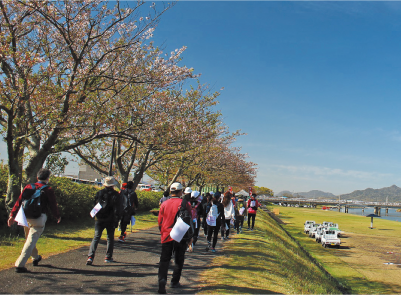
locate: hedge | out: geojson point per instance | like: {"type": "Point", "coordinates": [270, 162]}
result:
{"type": "Point", "coordinates": [77, 200]}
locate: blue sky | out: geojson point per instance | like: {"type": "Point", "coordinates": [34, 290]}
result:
{"type": "Point", "coordinates": [315, 85]}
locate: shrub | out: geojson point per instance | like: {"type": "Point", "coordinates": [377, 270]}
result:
{"type": "Point", "coordinates": [148, 200]}
{"type": "Point", "coordinates": [3, 191]}
{"type": "Point", "coordinates": [74, 200]}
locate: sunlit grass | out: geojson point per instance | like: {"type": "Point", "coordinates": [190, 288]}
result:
{"type": "Point", "coordinates": [264, 261]}
{"type": "Point", "coordinates": [63, 237]}
{"type": "Point", "coordinates": [359, 264]}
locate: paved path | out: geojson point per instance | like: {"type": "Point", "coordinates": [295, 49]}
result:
{"type": "Point", "coordinates": [135, 269]}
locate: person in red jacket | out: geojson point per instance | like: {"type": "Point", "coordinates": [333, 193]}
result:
{"type": "Point", "coordinates": [36, 226]}
{"type": "Point", "coordinates": [253, 205]}
{"type": "Point", "coordinates": [166, 220]}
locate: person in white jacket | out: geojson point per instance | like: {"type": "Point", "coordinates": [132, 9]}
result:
{"type": "Point", "coordinates": [229, 214]}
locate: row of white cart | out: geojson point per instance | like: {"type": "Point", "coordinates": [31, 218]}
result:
{"type": "Point", "coordinates": [327, 233]}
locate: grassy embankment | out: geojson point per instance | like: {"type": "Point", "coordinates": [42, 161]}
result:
{"type": "Point", "coordinates": [63, 237]}
{"type": "Point", "coordinates": [360, 264]}
{"type": "Point", "coordinates": [265, 261]}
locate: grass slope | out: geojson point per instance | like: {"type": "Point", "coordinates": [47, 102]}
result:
{"type": "Point", "coordinates": [266, 261]}
{"type": "Point", "coordinates": [360, 263]}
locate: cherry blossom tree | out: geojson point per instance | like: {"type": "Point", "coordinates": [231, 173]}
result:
{"type": "Point", "coordinates": [63, 65]}
{"type": "Point", "coordinates": [169, 122]}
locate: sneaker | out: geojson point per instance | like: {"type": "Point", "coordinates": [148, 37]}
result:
{"type": "Point", "coordinates": [213, 250]}
{"type": "Point", "coordinates": [124, 234]}
{"type": "Point", "coordinates": [21, 269]}
{"type": "Point", "coordinates": [227, 238]}
{"type": "Point", "coordinates": [162, 287]}
{"type": "Point", "coordinates": [89, 261]}
{"type": "Point", "coordinates": [107, 259]}
{"type": "Point", "coordinates": [249, 228]}
{"type": "Point", "coordinates": [222, 238]}
{"type": "Point", "coordinates": [37, 260]}
{"type": "Point", "coordinates": [121, 239]}
{"type": "Point", "coordinates": [176, 285]}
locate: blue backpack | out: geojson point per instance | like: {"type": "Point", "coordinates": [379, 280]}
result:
{"type": "Point", "coordinates": [32, 203]}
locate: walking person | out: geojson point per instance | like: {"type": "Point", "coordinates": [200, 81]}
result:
{"type": "Point", "coordinates": [166, 196]}
{"type": "Point", "coordinates": [196, 213]}
{"type": "Point", "coordinates": [214, 213]}
{"type": "Point", "coordinates": [205, 200]}
{"type": "Point", "coordinates": [240, 213]}
{"type": "Point", "coordinates": [129, 204]}
{"type": "Point", "coordinates": [107, 218]}
{"type": "Point", "coordinates": [36, 225]}
{"type": "Point", "coordinates": [253, 205]}
{"type": "Point", "coordinates": [229, 214]}
{"type": "Point", "coordinates": [166, 220]}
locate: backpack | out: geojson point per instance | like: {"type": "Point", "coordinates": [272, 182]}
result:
{"type": "Point", "coordinates": [187, 218]}
{"type": "Point", "coordinates": [214, 211]}
{"type": "Point", "coordinates": [106, 200]}
{"type": "Point", "coordinates": [32, 201]}
{"type": "Point", "coordinates": [126, 203]}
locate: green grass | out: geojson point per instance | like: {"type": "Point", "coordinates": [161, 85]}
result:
{"type": "Point", "coordinates": [358, 265]}
{"type": "Point", "coordinates": [266, 261]}
{"type": "Point", "coordinates": [63, 237]}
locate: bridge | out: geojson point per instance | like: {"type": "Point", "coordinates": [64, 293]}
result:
{"type": "Point", "coordinates": [346, 204]}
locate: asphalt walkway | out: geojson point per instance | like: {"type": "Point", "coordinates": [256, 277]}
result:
{"type": "Point", "coordinates": [133, 272]}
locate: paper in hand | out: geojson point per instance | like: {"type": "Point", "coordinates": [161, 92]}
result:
{"type": "Point", "coordinates": [179, 230]}
{"type": "Point", "coordinates": [21, 218]}
{"type": "Point", "coordinates": [95, 210]}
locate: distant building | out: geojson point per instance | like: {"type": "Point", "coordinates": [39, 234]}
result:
{"type": "Point", "coordinates": [87, 173]}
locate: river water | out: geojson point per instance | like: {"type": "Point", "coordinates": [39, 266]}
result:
{"type": "Point", "coordinates": [392, 214]}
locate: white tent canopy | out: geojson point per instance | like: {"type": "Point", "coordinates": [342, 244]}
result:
{"type": "Point", "coordinates": [242, 193]}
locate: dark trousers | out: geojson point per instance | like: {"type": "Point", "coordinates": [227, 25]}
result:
{"type": "Point", "coordinates": [196, 232]}
{"type": "Point", "coordinates": [123, 224]}
{"type": "Point", "coordinates": [165, 257]}
{"type": "Point", "coordinates": [225, 232]}
{"type": "Point", "coordinates": [251, 216]}
{"type": "Point", "coordinates": [213, 230]}
{"type": "Point", "coordinates": [204, 225]}
{"type": "Point", "coordinates": [239, 222]}
{"type": "Point", "coordinates": [99, 227]}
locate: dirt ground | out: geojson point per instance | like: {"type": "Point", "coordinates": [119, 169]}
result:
{"type": "Point", "coordinates": [376, 261]}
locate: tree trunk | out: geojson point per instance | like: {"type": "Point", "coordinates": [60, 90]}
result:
{"type": "Point", "coordinates": [179, 171]}
{"type": "Point", "coordinates": [15, 160]}
{"type": "Point", "coordinates": [34, 165]}
{"type": "Point", "coordinates": [119, 163]}
{"type": "Point", "coordinates": [141, 170]}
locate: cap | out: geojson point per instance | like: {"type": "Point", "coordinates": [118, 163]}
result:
{"type": "Point", "coordinates": [110, 181]}
{"type": "Point", "coordinates": [188, 190]}
{"type": "Point", "coordinates": [176, 186]}
{"type": "Point", "coordinates": [195, 194]}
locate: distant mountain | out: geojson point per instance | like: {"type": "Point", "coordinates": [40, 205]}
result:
{"type": "Point", "coordinates": [314, 194]}
{"type": "Point", "coordinates": [376, 195]}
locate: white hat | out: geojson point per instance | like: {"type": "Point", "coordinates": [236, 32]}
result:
{"type": "Point", "coordinates": [110, 181]}
{"type": "Point", "coordinates": [195, 194]}
{"type": "Point", "coordinates": [188, 190]}
{"type": "Point", "coordinates": [176, 186]}
{"type": "Point", "coordinates": [212, 193]}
